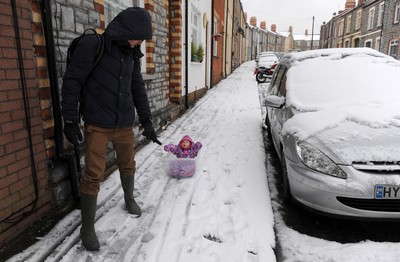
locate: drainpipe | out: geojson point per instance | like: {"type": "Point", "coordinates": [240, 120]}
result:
{"type": "Point", "coordinates": [55, 95]}
{"type": "Point", "coordinates": [65, 157]}
{"type": "Point", "coordinates": [212, 46]}
{"type": "Point", "coordinates": [383, 25]}
{"type": "Point", "coordinates": [186, 55]}
{"type": "Point", "coordinates": [226, 38]}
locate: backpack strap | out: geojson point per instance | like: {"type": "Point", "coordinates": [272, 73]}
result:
{"type": "Point", "coordinates": [99, 50]}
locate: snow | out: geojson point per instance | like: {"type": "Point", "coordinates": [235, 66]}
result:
{"type": "Point", "coordinates": [222, 213]}
{"type": "Point", "coordinates": [346, 94]}
{"type": "Point", "coordinates": [228, 211]}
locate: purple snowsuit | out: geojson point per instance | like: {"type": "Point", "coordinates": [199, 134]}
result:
{"type": "Point", "coordinates": [183, 168]}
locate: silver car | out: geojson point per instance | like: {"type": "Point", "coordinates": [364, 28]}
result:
{"type": "Point", "coordinates": [334, 118]}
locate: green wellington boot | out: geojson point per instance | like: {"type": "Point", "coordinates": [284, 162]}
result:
{"type": "Point", "coordinates": [88, 211]}
{"type": "Point", "coordinates": [128, 183]}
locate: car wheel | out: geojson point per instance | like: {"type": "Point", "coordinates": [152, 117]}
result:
{"type": "Point", "coordinates": [287, 196]}
{"type": "Point", "coordinates": [260, 78]}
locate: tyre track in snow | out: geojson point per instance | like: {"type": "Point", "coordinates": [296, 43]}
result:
{"type": "Point", "coordinates": [217, 109]}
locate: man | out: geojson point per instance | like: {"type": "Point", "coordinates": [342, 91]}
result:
{"type": "Point", "coordinates": [108, 95]}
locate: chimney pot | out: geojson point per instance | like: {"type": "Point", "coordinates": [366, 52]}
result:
{"type": "Point", "coordinates": [253, 21]}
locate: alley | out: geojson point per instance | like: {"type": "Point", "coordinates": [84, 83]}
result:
{"type": "Point", "coordinates": [223, 213]}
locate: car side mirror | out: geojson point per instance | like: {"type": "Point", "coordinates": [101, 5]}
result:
{"type": "Point", "coordinates": [275, 101]}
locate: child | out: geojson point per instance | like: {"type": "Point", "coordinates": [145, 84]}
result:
{"type": "Point", "coordinates": [185, 149]}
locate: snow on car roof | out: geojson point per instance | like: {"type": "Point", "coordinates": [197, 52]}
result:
{"type": "Point", "coordinates": [334, 78]}
{"type": "Point", "coordinates": [359, 85]}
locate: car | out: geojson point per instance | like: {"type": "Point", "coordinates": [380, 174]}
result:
{"type": "Point", "coordinates": [333, 116]}
{"type": "Point", "coordinates": [267, 60]}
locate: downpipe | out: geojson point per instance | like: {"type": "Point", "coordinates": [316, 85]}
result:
{"type": "Point", "coordinates": [69, 158]}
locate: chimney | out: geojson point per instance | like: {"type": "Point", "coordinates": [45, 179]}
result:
{"type": "Point", "coordinates": [263, 25]}
{"type": "Point", "coordinates": [253, 21]}
{"type": "Point", "coordinates": [245, 16]}
{"type": "Point", "coordinates": [273, 28]}
{"type": "Point", "coordinates": [306, 32]}
{"type": "Point", "coordinates": [350, 4]}
{"type": "Point", "coordinates": [291, 29]}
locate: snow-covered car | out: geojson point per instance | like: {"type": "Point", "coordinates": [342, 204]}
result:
{"type": "Point", "coordinates": [334, 118]}
{"type": "Point", "coordinates": [267, 60]}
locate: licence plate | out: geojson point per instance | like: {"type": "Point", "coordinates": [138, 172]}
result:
{"type": "Point", "coordinates": [387, 192]}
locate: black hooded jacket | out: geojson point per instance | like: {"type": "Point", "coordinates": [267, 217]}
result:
{"type": "Point", "coordinates": [115, 87]}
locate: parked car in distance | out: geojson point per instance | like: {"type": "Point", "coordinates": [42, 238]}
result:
{"type": "Point", "coordinates": [333, 116]}
{"type": "Point", "coordinates": [267, 60]}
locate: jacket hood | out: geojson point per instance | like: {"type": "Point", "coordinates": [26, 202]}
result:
{"type": "Point", "coordinates": [134, 23]}
{"type": "Point", "coordinates": [187, 138]}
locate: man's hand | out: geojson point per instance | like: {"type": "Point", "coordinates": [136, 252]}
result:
{"type": "Point", "coordinates": [73, 133]}
{"type": "Point", "coordinates": [150, 133]}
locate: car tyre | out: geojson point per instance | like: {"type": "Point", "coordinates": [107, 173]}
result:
{"type": "Point", "coordinates": [287, 195]}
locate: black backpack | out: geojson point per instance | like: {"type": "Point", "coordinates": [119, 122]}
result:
{"type": "Point", "coordinates": [99, 50]}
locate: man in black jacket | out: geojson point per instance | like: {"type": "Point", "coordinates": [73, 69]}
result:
{"type": "Point", "coordinates": [108, 95]}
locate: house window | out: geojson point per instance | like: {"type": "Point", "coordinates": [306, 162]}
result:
{"type": "Point", "coordinates": [358, 20]}
{"type": "Point", "coordinates": [393, 47]}
{"type": "Point", "coordinates": [380, 15]}
{"type": "Point", "coordinates": [371, 18]}
{"type": "Point", "coordinates": [368, 43]}
{"type": "Point", "coordinates": [196, 44]}
{"type": "Point", "coordinates": [195, 23]}
{"type": "Point", "coordinates": [377, 43]}
{"type": "Point", "coordinates": [348, 24]}
{"type": "Point", "coordinates": [216, 36]}
{"type": "Point", "coordinates": [397, 12]}
{"type": "Point", "coordinates": [341, 28]}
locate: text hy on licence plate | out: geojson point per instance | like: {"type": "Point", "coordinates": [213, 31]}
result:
{"type": "Point", "coordinates": [387, 191]}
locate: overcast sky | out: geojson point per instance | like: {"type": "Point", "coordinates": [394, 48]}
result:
{"type": "Point", "coordinates": [295, 13]}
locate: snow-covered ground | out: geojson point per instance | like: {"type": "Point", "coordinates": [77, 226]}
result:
{"type": "Point", "coordinates": [223, 213]}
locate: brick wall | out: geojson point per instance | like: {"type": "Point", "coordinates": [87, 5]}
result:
{"type": "Point", "coordinates": [217, 73]}
{"type": "Point", "coordinates": [22, 147]}
{"type": "Point", "coordinates": [175, 54]}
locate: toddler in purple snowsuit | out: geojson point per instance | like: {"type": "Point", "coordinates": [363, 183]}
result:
{"type": "Point", "coordinates": [185, 149]}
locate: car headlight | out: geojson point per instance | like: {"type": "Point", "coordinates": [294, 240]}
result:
{"type": "Point", "coordinates": [315, 159]}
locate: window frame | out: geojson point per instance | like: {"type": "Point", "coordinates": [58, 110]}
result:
{"type": "Point", "coordinates": [393, 43]}
{"type": "Point", "coordinates": [195, 26]}
{"type": "Point", "coordinates": [216, 33]}
{"type": "Point", "coordinates": [371, 17]}
{"type": "Point", "coordinates": [348, 25]}
{"type": "Point", "coordinates": [358, 19]}
{"type": "Point", "coordinates": [380, 14]}
{"type": "Point", "coordinates": [396, 18]}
